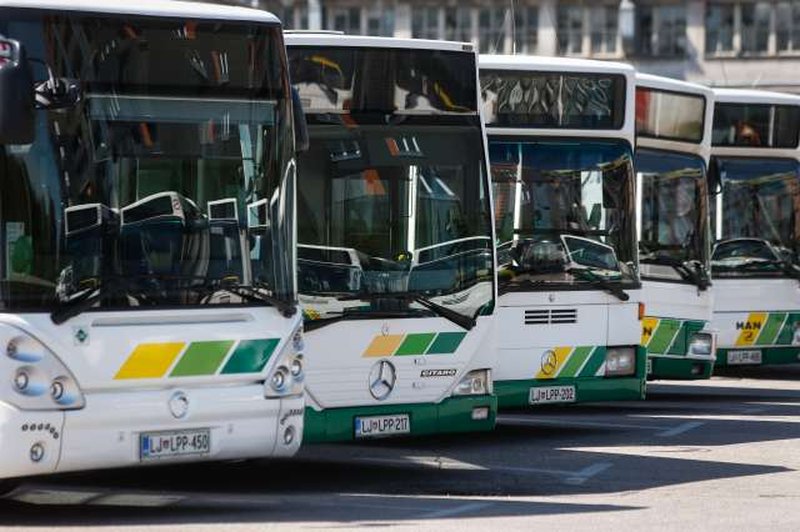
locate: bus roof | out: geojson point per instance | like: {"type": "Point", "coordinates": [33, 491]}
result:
{"type": "Point", "coordinates": [673, 85]}
{"type": "Point", "coordinates": [553, 64]}
{"type": "Point", "coordinates": [755, 96]}
{"type": "Point", "coordinates": [310, 38]}
{"type": "Point", "coordinates": [150, 8]}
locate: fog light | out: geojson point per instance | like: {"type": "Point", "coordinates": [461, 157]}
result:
{"type": "Point", "coordinates": [37, 452]}
{"type": "Point", "coordinates": [620, 361]}
{"type": "Point", "coordinates": [697, 369]}
{"type": "Point", "coordinates": [297, 366]}
{"type": "Point", "coordinates": [57, 390]}
{"type": "Point", "coordinates": [480, 413]}
{"type": "Point", "coordinates": [279, 379]}
{"type": "Point", "coordinates": [21, 381]}
{"type": "Point", "coordinates": [288, 435]}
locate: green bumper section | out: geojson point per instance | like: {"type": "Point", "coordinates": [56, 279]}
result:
{"type": "Point", "coordinates": [680, 368]}
{"type": "Point", "coordinates": [769, 356]}
{"type": "Point", "coordinates": [451, 415]}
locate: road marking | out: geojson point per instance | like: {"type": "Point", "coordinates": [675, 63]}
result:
{"type": "Point", "coordinates": [680, 429]}
{"type": "Point", "coordinates": [437, 462]}
{"type": "Point", "coordinates": [464, 508]}
{"type": "Point", "coordinates": [563, 422]}
{"type": "Point", "coordinates": [571, 477]}
{"type": "Point", "coordinates": [753, 410]}
{"type": "Point", "coordinates": [588, 472]}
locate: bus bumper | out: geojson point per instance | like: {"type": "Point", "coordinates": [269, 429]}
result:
{"type": "Point", "coordinates": [683, 368]}
{"type": "Point", "coordinates": [769, 356]}
{"type": "Point", "coordinates": [517, 394]}
{"type": "Point", "coordinates": [106, 432]}
{"type": "Point", "coordinates": [455, 414]}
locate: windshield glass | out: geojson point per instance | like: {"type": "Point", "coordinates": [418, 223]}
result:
{"type": "Point", "coordinates": [564, 206]}
{"type": "Point", "coordinates": [171, 172]}
{"type": "Point", "coordinates": [674, 212]}
{"type": "Point", "coordinates": [756, 216]}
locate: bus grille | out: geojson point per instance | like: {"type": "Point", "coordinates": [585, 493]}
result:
{"type": "Point", "coordinates": [558, 316]}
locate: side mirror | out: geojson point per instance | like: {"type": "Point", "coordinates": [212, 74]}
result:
{"type": "Point", "coordinates": [301, 141]}
{"type": "Point", "coordinates": [17, 118]}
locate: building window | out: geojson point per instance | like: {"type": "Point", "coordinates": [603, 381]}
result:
{"type": "Point", "coordinates": [787, 20]}
{"type": "Point", "coordinates": [662, 30]}
{"type": "Point", "coordinates": [457, 24]}
{"type": "Point", "coordinates": [755, 27]}
{"type": "Point", "coordinates": [526, 29]}
{"type": "Point", "coordinates": [570, 29]}
{"type": "Point", "coordinates": [345, 19]}
{"type": "Point", "coordinates": [492, 29]}
{"type": "Point", "coordinates": [719, 28]}
{"type": "Point", "coordinates": [380, 21]}
{"type": "Point", "coordinates": [425, 23]}
{"type": "Point", "coordinates": [604, 23]}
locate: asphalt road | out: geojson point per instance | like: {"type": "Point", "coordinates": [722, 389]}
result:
{"type": "Point", "coordinates": [715, 455]}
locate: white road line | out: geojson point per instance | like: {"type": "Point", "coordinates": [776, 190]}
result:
{"type": "Point", "coordinates": [563, 422]}
{"type": "Point", "coordinates": [753, 410]}
{"type": "Point", "coordinates": [588, 472]}
{"type": "Point", "coordinates": [464, 508]}
{"type": "Point", "coordinates": [680, 429]}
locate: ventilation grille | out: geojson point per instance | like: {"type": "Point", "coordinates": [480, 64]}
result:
{"type": "Point", "coordinates": [558, 316]}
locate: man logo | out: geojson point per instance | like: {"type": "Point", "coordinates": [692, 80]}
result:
{"type": "Point", "coordinates": [549, 362]}
{"type": "Point", "coordinates": [381, 379]}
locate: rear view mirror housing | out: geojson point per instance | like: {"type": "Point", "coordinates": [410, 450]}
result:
{"type": "Point", "coordinates": [17, 117]}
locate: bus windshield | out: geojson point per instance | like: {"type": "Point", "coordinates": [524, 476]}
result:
{"type": "Point", "coordinates": [674, 215]}
{"type": "Point", "coordinates": [562, 208]}
{"type": "Point", "coordinates": [393, 209]}
{"type": "Point", "coordinates": [167, 178]}
{"type": "Point", "coordinates": [757, 223]}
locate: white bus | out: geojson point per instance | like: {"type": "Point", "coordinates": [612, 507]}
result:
{"type": "Point", "coordinates": [395, 256]}
{"type": "Point", "coordinates": [756, 219]}
{"type": "Point", "coordinates": [147, 234]}
{"type": "Point", "coordinates": [561, 137]}
{"type": "Point", "coordinates": [673, 146]}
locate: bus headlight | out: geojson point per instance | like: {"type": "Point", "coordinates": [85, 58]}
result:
{"type": "Point", "coordinates": [287, 377]}
{"type": "Point", "coordinates": [701, 344]}
{"type": "Point", "coordinates": [39, 380]}
{"type": "Point", "coordinates": [620, 361]}
{"type": "Point", "coordinates": [476, 382]}
{"type": "Point", "coordinates": [296, 368]}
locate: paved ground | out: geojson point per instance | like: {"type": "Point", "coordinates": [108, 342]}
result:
{"type": "Point", "coordinates": [716, 455]}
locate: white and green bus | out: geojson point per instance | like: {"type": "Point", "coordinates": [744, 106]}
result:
{"type": "Point", "coordinates": [147, 279]}
{"type": "Point", "coordinates": [673, 146]}
{"type": "Point", "coordinates": [395, 254]}
{"type": "Point", "coordinates": [756, 219]}
{"type": "Point", "coordinates": [561, 138]}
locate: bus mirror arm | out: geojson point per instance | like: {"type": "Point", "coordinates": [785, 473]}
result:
{"type": "Point", "coordinates": [17, 118]}
{"type": "Point", "coordinates": [301, 140]}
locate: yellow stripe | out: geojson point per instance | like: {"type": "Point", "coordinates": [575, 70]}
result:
{"type": "Point", "coordinates": [384, 346]}
{"type": "Point", "coordinates": [748, 335]}
{"type": "Point", "coordinates": [547, 371]}
{"type": "Point", "coordinates": [648, 328]}
{"type": "Point", "coordinates": [150, 361]}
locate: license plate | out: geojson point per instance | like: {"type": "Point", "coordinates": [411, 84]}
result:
{"type": "Point", "coordinates": [552, 394]}
{"type": "Point", "coordinates": [155, 445]}
{"type": "Point", "coordinates": [377, 426]}
{"type": "Point", "coordinates": [744, 357]}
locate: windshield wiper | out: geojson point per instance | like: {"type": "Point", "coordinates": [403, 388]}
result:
{"type": "Point", "coordinates": [352, 314]}
{"type": "Point", "coordinates": [465, 322]}
{"type": "Point", "coordinates": [588, 274]}
{"type": "Point", "coordinates": [691, 270]}
{"type": "Point", "coordinates": [67, 310]}
{"type": "Point", "coordinates": [257, 292]}
{"type": "Point", "coordinates": [515, 284]}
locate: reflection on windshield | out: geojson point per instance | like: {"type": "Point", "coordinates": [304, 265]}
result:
{"type": "Point", "coordinates": [674, 215]}
{"type": "Point", "coordinates": [561, 205]}
{"type": "Point", "coordinates": [394, 209]}
{"type": "Point", "coordinates": [169, 174]}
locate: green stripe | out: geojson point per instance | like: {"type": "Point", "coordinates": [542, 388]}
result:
{"type": "Point", "coordinates": [575, 361]}
{"type": "Point", "coordinates": [446, 343]}
{"type": "Point", "coordinates": [250, 356]}
{"type": "Point", "coordinates": [415, 344]}
{"type": "Point", "coordinates": [202, 358]}
{"type": "Point", "coordinates": [680, 341]}
{"type": "Point", "coordinates": [662, 338]}
{"type": "Point", "coordinates": [771, 328]}
{"type": "Point", "coordinates": [596, 360]}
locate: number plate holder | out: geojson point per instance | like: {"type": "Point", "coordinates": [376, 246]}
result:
{"type": "Point", "coordinates": [174, 443]}
{"type": "Point", "coordinates": [543, 395]}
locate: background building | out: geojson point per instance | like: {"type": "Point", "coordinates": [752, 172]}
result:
{"type": "Point", "coordinates": [733, 43]}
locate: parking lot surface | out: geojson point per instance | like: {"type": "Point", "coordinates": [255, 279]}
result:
{"type": "Point", "coordinates": [711, 455]}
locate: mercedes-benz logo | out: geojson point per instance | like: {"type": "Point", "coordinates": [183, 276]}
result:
{"type": "Point", "coordinates": [382, 377]}
{"type": "Point", "coordinates": [549, 362]}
